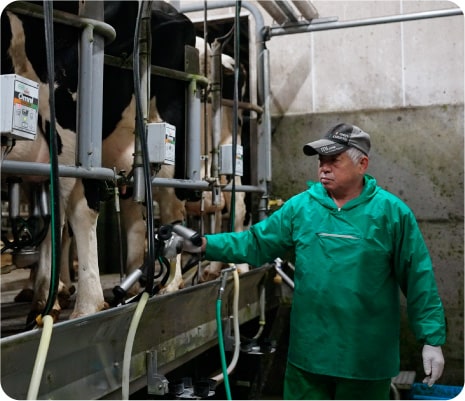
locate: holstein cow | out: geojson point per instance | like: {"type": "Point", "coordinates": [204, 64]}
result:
{"type": "Point", "coordinates": [170, 33]}
{"type": "Point", "coordinates": [222, 211]}
{"type": "Point", "coordinates": [23, 53]}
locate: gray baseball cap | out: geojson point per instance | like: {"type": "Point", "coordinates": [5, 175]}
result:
{"type": "Point", "coordinates": [338, 139]}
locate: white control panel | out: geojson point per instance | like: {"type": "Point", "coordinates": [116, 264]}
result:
{"type": "Point", "coordinates": [19, 106]}
{"type": "Point", "coordinates": [225, 162]}
{"type": "Point", "coordinates": [161, 143]}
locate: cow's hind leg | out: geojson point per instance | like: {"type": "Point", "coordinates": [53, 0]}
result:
{"type": "Point", "coordinates": [83, 221]}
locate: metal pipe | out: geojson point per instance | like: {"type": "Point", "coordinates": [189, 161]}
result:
{"type": "Point", "coordinates": [43, 169]}
{"type": "Point", "coordinates": [90, 90]}
{"type": "Point", "coordinates": [325, 26]}
{"type": "Point", "coordinates": [279, 270]}
{"type": "Point", "coordinates": [157, 70]}
{"type": "Point", "coordinates": [193, 131]}
{"type": "Point", "coordinates": [306, 8]}
{"type": "Point", "coordinates": [264, 168]}
{"type": "Point", "coordinates": [216, 106]}
{"type": "Point", "coordinates": [143, 44]}
{"type": "Point", "coordinates": [200, 185]}
{"type": "Point", "coordinates": [287, 10]}
{"type": "Point", "coordinates": [14, 197]}
{"type": "Point", "coordinates": [36, 11]}
{"type": "Point", "coordinates": [276, 13]}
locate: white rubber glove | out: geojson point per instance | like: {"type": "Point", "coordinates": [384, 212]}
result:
{"type": "Point", "coordinates": [433, 363]}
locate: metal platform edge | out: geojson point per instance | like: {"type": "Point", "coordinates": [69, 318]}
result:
{"type": "Point", "coordinates": [85, 357]}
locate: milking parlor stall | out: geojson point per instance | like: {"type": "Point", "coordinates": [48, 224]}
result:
{"type": "Point", "coordinates": [130, 129]}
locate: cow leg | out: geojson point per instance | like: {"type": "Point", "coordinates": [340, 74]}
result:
{"type": "Point", "coordinates": [41, 281]}
{"type": "Point", "coordinates": [239, 217]}
{"type": "Point", "coordinates": [83, 221]}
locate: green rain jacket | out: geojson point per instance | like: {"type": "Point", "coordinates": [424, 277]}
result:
{"type": "Point", "coordinates": [350, 263]}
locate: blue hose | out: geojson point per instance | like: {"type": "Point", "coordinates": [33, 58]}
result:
{"type": "Point", "coordinates": [222, 352]}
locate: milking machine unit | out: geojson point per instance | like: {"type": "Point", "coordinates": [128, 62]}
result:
{"type": "Point", "coordinates": [27, 232]}
{"type": "Point", "coordinates": [18, 121]}
{"type": "Point", "coordinates": [169, 240]}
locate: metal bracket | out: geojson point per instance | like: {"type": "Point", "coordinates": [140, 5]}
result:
{"type": "Point", "coordinates": [156, 384]}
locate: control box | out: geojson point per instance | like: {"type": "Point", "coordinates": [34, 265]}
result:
{"type": "Point", "coordinates": [225, 160]}
{"type": "Point", "coordinates": [161, 143]}
{"type": "Point", "coordinates": [20, 106]}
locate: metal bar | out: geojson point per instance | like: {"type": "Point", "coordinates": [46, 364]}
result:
{"type": "Point", "coordinates": [43, 169]}
{"type": "Point", "coordinates": [90, 90]}
{"type": "Point", "coordinates": [285, 277]}
{"type": "Point", "coordinates": [201, 185]}
{"type": "Point", "coordinates": [325, 26]}
{"type": "Point", "coordinates": [33, 10]}
{"type": "Point", "coordinates": [216, 106]}
{"type": "Point", "coordinates": [193, 132]}
{"type": "Point", "coordinates": [306, 8]}
{"type": "Point", "coordinates": [287, 10]}
{"type": "Point", "coordinates": [277, 266]}
{"type": "Point", "coordinates": [156, 70]}
{"type": "Point", "coordinates": [264, 168]}
{"type": "Point", "coordinates": [275, 12]}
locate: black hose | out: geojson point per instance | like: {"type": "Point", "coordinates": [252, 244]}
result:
{"type": "Point", "coordinates": [237, 48]}
{"type": "Point", "coordinates": [54, 179]}
{"type": "Point", "coordinates": [140, 127]}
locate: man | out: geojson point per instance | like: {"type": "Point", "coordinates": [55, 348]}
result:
{"type": "Point", "coordinates": [355, 244]}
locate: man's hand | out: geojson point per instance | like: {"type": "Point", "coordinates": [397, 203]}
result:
{"type": "Point", "coordinates": [433, 363]}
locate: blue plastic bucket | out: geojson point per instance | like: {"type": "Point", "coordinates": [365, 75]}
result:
{"type": "Point", "coordinates": [421, 391]}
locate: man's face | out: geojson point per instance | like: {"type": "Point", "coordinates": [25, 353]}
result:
{"type": "Point", "coordinates": [339, 174]}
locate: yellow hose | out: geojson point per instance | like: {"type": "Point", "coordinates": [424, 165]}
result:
{"type": "Point", "coordinates": [41, 356]}
{"type": "Point", "coordinates": [129, 343]}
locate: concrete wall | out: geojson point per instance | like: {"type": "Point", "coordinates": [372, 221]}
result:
{"type": "Point", "coordinates": [402, 83]}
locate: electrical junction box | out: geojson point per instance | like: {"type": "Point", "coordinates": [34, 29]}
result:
{"type": "Point", "coordinates": [161, 143]}
{"type": "Point", "coordinates": [225, 160]}
{"type": "Point", "coordinates": [20, 106]}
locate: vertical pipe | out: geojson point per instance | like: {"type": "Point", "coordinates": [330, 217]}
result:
{"type": "Point", "coordinates": [90, 91]}
{"type": "Point", "coordinates": [14, 201]}
{"type": "Point", "coordinates": [264, 136]}
{"type": "Point", "coordinates": [145, 65]}
{"type": "Point", "coordinates": [216, 106]}
{"type": "Point", "coordinates": [193, 131]}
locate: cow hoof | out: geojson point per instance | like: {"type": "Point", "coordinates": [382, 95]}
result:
{"type": "Point", "coordinates": [208, 276]}
{"type": "Point", "coordinates": [64, 299]}
{"type": "Point", "coordinates": [72, 290]}
{"type": "Point", "coordinates": [25, 295]}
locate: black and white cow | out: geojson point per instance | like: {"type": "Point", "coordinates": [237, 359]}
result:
{"type": "Point", "coordinates": [23, 53]}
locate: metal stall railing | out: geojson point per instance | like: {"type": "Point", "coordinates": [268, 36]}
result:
{"type": "Point", "coordinates": [89, 145]}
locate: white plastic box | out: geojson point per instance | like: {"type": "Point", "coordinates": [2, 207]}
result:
{"type": "Point", "coordinates": [225, 162]}
{"type": "Point", "coordinates": [161, 143]}
{"type": "Point", "coordinates": [19, 99]}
